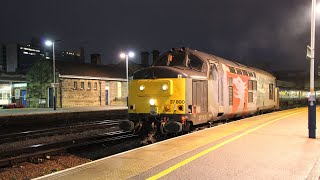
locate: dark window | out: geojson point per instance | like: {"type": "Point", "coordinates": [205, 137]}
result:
{"type": "Point", "coordinates": [270, 91]}
{"type": "Point", "coordinates": [172, 59]}
{"type": "Point", "coordinates": [82, 85]}
{"type": "Point", "coordinates": [232, 70]}
{"type": "Point", "coordinates": [254, 85]}
{"type": "Point", "coordinates": [75, 85]}
{"type": "Point", "coordinates": [195, 63]}
{"type": "Point", "coordinates": [89, 85]}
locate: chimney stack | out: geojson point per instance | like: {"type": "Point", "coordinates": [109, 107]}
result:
{"type": "Point", "coordinates": [145, 58]}
{"type": "Point", "coordinates": [155, 55]}
{"type": "Point", "coordinates": [96, 59]}
{"type": "Point", "coordinates": [82, 55]}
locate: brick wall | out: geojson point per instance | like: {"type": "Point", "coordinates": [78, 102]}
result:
{"type": "Point", "coordinates": [83, 97]}
{"type": "Point", "coordinates": [113, 91]}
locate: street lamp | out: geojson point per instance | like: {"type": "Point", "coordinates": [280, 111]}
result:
{"type": "Point", "coordinates": [126, 55]}
{"type": "Point", "coordinates": [310, 55]}
{"type": "Point", "coordinates": [51, 43]}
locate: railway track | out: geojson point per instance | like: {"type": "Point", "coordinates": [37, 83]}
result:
{"type": "Point", "coordinates": [72, 128]}
{"type": "Point", "coordinates": [45, 150]}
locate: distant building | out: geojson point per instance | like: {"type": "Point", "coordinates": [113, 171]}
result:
{"type": "Point", "coordinates": [18, 58]}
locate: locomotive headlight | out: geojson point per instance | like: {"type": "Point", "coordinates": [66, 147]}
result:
{"type": "Point", "coordinates": [152, 102]}
{"type": "Point", "coordinates": [141, 87]}
{"type": "Point", "coordinates": [164, 87]}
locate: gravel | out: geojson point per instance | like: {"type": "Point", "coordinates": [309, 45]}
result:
{"type": "Point", "coordinates": [77, 156]}
{"type": "Point", "coordinates": [28, 170]}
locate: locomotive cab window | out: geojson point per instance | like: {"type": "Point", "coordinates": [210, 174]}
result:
{"type": "Point", "coordinates": [172, 59]}
{"type": "Point", "coordinates": [195, 63]}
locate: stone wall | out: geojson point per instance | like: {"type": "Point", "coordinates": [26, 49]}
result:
{"type": "Point", "coordinates": [113, 91]}
{"type": "Point", "coordinates": [84, 97]}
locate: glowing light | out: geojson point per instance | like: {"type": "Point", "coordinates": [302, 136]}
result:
{"type": "Point", "coordinates": [131, 54]}
{"type": "Point", "coordinates": [164, 87]}
{"type": "Point", "coordinates": [152, 102]}
{"type": "Point", "coordinates": [122, 55]}
{"type": "Point", "coordinates": [48, 43]}
{"type": "Point", "coordinates": [141, 88]}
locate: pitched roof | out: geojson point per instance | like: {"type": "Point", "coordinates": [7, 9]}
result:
{"type": "Point", "coordinates": [92, 70]}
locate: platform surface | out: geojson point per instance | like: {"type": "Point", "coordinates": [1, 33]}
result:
{"type": "Point", "coordinates": [269, 146]}
{"type": "Point", "coordinates": [27, 111]}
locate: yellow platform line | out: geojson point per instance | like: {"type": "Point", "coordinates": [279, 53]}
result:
{"type": "Point", "coordinates": [186, 161]}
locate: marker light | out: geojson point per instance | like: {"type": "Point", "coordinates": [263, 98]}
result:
{"type": "Point", "coordinates": [164, 87]}
{"type": "Point", "coordinates": [141, 88]}
{"type": "Point", "coordinates": [152, 102]}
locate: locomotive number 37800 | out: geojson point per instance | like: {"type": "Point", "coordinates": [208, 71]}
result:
{"type": "Point", "coordinates": [177, 101]}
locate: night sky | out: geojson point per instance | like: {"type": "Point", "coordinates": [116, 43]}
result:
{"type": "Point", "coordinates": [272, 34]}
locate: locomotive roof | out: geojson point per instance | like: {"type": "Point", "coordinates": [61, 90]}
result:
{"type": "Point", "coordinates": [213, 58]}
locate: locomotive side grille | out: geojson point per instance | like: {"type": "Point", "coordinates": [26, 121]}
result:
{"type": "Point", "coordinates": [200, 94]}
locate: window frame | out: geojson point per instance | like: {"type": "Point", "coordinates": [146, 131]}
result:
{"type": "Point", "coordinates": [82, 86]}
{"type": "Point", "coordinates": [75, 85]}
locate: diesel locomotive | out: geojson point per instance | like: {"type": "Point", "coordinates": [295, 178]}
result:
{"type": "Point", "coordinates": [186, 87]}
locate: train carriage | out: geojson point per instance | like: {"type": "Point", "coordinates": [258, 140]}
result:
{"type": "Point", "coordinates": [186, 87]}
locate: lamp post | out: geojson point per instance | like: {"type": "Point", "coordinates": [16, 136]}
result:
{"type": "Point", "coordinates": [51, 43]}
{"type": "Point", "coordinates": [310, 55]}
{"type": "Point", "coordinates": [126, 55]}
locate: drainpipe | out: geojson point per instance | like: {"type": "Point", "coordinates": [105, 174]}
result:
{"type": "Point", "coordinates": [100, 98]}
{"type": "Point", "coordinates": [60, 89]}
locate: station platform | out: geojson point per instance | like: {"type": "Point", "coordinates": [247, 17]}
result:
{"type": "Point", "coordinates": [269, 146]}
{"type": "Point", "coordinates": [45, 116]}
{"type": "Point", "coordinates": [27, 111]}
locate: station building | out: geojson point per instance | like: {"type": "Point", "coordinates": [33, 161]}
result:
{"type": "Point", "coordinates": [78, 84]}
{"type": "Point", "coordinates": [26, 78]}
{"type": "Point", "coordinates": [15, 61]}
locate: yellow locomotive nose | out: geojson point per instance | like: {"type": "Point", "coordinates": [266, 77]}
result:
{"type": "Point", "coordinates": [153, 107]}
{"type": "Point", "coordinates": [152, 102]}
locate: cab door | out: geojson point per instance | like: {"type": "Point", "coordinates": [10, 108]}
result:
{"type": "Point", "coordinates": [216, 74]}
